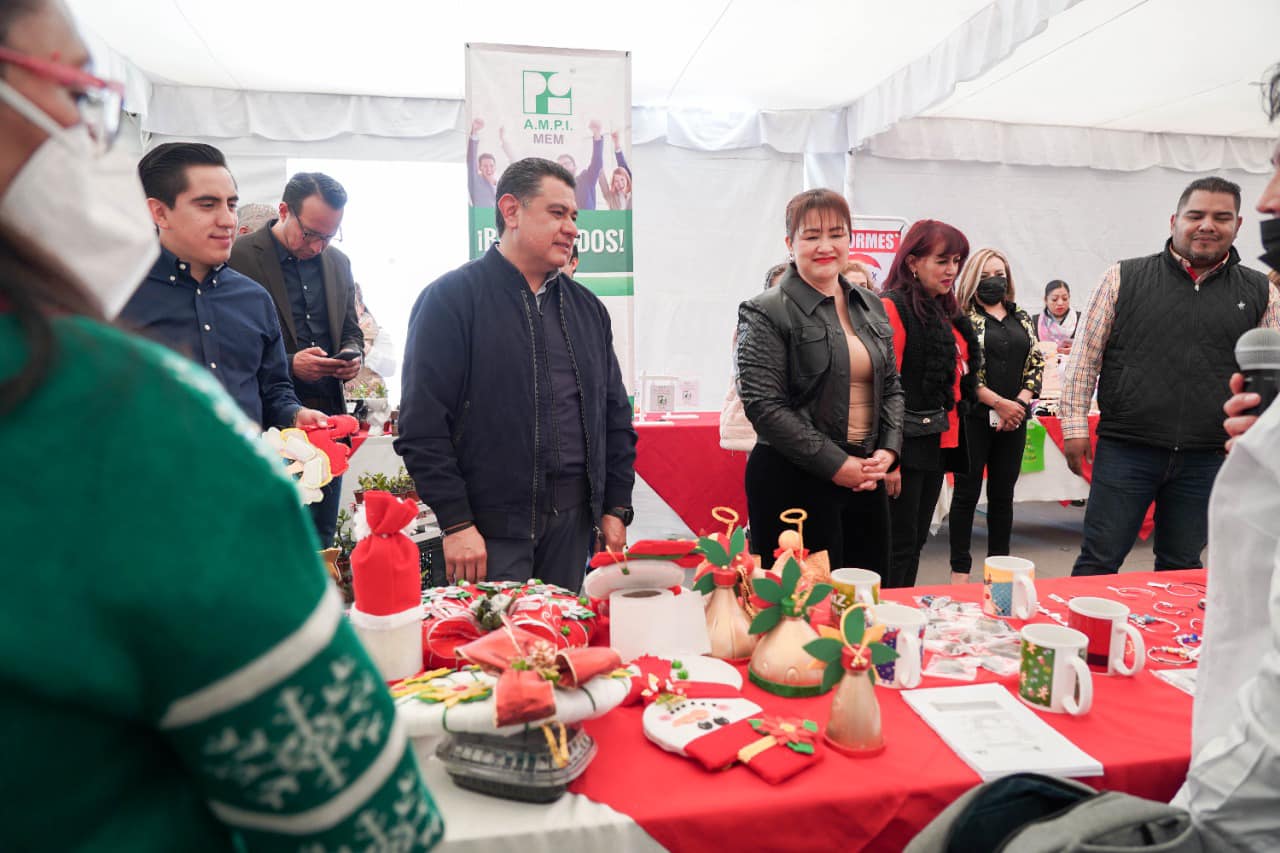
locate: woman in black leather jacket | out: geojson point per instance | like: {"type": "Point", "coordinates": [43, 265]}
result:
{"type": "Point", "coordinates": [817, 378]}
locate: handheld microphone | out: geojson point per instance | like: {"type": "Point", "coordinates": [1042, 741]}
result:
{"type": "Point", "coordinates": [1258, 354]}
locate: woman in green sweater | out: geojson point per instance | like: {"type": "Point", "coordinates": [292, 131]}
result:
{"type": "Point", "coordinates": [175, 671]}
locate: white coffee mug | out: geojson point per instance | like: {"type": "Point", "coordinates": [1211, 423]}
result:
{"type": "Point", "coordinates": [1105, 623]}
{"type": "Point", "coordinates": [1054, 676]}
{"type": "Point", "coordinates": [904, 631]}
{"type": "Point", "coordinates": [850, 586]}
{"type": "Point", "coordinates": [1010, 587]}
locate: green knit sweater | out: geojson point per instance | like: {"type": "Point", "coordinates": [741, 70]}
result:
{"type": "Point", "coordinates": [175, 671]}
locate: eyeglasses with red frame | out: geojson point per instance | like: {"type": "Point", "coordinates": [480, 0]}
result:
{"type": "Point", "coordinates": [99, 101]}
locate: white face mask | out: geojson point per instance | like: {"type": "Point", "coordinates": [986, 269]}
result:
{"type": "Point", "coordinates": [84, 209]}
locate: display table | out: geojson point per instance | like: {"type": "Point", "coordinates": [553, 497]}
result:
{"type": "Point", "coordinates": [1139, 728]}
{"type": "Point", "coordinates": [683, 462]}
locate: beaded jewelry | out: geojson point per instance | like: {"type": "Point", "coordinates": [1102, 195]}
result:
{"type": "Point", "coordinates": [1166, 609]}
{"type": "Point", "coordinates": [1170, 655]}
{"type": "Point", "coordinates": [1197, 625]}
{"type": "Point", "coordinates": [1145, 622]}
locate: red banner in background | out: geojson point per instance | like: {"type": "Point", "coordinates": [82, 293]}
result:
{"type": "Point", "coordinates": [875, 250]}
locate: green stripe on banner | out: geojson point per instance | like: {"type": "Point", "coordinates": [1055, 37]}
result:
{"type": "Point", "coordinates": [609, 285]}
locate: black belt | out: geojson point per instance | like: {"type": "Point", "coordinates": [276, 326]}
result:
{"type": "Point", "coordinates": [862, 450]}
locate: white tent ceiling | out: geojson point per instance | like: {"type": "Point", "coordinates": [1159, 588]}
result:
{"type": "Point", "coordinates": [1169, 66]}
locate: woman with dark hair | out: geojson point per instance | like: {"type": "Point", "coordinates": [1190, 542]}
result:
{"type": "Point", "coordinates": [817, 378]}
{"type": "Point", "coordinates": [938, 358]}
{"type": "Point", "coordinates": [996, 426]}
{"type": "Point", "coordinates": [181, 655]}
{"type": "Point", "coordinates": [1057, 323]}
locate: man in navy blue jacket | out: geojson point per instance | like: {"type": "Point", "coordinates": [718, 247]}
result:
{"type": "Point", "coordinates": [514, 421]}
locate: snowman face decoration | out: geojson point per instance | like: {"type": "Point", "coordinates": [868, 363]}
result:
{"type": "Point", "coordinates": [675, 727]}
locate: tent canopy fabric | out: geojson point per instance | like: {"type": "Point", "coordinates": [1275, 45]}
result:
{"type": "Point", "coordinates": [819, 76]}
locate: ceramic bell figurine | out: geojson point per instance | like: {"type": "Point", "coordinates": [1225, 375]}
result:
{"type": "Point", "coordinates": [722, 578]}
{"type": "Point", "coordinates": [780, 663]}
{"type": "Point", "coordinates": [851, 653]}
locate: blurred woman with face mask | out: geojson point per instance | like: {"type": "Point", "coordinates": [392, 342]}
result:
{"type": "Point", "coordinates": [165, 657]}
{"type": "Point", "coordinates": [996, 428]}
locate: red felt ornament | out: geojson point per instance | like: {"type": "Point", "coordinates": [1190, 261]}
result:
{"type": "Point", "coordinates": [385, 567]}
{"type": "Point", "coordinates": [326, 439]}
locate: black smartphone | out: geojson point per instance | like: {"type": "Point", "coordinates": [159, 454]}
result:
{"type": "Point", "coordinates": [347, 355]}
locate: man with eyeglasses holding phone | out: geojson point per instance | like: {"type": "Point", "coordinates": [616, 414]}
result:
{"type": "Point", "coordinates": [311, 283]}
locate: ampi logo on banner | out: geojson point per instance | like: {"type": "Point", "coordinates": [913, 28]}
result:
{"type": "Point", "coordinates": [548, 93]}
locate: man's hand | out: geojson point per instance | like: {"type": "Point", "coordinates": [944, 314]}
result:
{"type": "Point", "coordinates": [613, 533]}
{"type": "Point", "coordinates": [1237, 422]}
{"type": "Point", "coordinates": [477, 125]}
{"type": "Point", "coordinates": [465, 557]}
{"type": "Point", "coordinates": [1078, 451]}
{"type": "Point", "coordinates": [594, 126]}
{"type": "Point", "coordinates": [1010, 412]}
{"type": "Point", "coordinates": [310, 418]}
{"type": "Point", "coordinates": [349, 368]}
{"type": "Point", "coordinates": [893, 483]}
{"type": "Point", "coordinates": [311, 364]}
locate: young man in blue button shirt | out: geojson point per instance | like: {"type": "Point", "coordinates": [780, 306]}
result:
{"type": "Point", "coordinates": [193, 302]}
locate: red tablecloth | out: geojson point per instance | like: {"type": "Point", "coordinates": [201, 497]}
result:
{"type": "Point", "coordinates": [683, 462]}
{"type": "Point", "coordinates": [1139, 728]}
{"type": "Point", "coordinates": [1053, 426]}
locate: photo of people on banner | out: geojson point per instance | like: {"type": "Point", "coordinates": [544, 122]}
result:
{"type": "Point", "coordinates": [572, 107]}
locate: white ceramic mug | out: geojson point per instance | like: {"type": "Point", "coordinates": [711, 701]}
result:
{"type": "Point", "coordinates": [1105, 623]}
{"type": "Point", "coordinates": [853, 585]}
{"type": "Point", "coordinates": [1054, 676]}
{"type": "Point", "coordinates": [1010, 587]}
{"type": "Point", "coordinates": [904, 631]}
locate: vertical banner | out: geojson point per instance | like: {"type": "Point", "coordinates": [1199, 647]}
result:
{"type": "Point", "coordinates": [574, 107]}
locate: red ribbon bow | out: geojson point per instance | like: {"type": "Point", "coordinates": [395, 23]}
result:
{"type": "Point", "coordinates": [529, 669]}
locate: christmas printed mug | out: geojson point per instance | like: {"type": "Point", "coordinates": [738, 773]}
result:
{"type": "Point", "coordinates": [904, 632]}
{"type": "Point", "coordinates": [852, 585]}
{"type": "Point", "coordinates": [1053, 675]}
{"type": "Point", "coordinates": [1105, 623]}
{"type": "Point", "coordinates": [1009, 587]}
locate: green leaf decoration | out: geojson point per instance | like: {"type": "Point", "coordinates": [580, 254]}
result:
{"type": "Point", "coordinates": [705, 584]}
{"type": "Point", "coordinates": [756, 724]}
{"type": "Point", "coordinates": [765, 620]}
{"type": "Point", "coordinates": [824, 649]}
{"type": "Point", "coordinates": [737, 542]}
{"type": "Point", "coordinates": [804, 748]}
{"type": "Point", "coordinates": [855, 625]}
{"type": "Point", "coordinates": [810, 725]}
{"type": "Point", "coordinates": [819, 592]}
{"type": "Point", "coordinates": [790, 576]}
{"type": "Point", "coordinates": [713, 551]}
{"type": "Point", "coordinates": [881, 654]}
{"type": "Point", "coordinates": [768, 589]}
{"type": "Point", "coordinates": [831, 675]}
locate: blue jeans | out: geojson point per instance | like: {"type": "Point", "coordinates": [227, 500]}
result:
{"type": "Point", "coordinates": [324, 513]}
{"type": "Point", "coordinates": [1126, 479]}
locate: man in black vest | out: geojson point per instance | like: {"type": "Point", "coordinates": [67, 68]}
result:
{"type": "Point", "coordinates": [1159, 340]}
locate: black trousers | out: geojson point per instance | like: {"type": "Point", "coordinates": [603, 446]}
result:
{"type": "Point", "coordinates": [852, 527]}
{"type": "Point", "coordinates": [1001, 454]}
{"type": "Point", "coordinates": [910, 513]}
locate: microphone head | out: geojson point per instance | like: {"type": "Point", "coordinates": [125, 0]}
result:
{"type": "Point", "coordinates": [1258, 349]}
